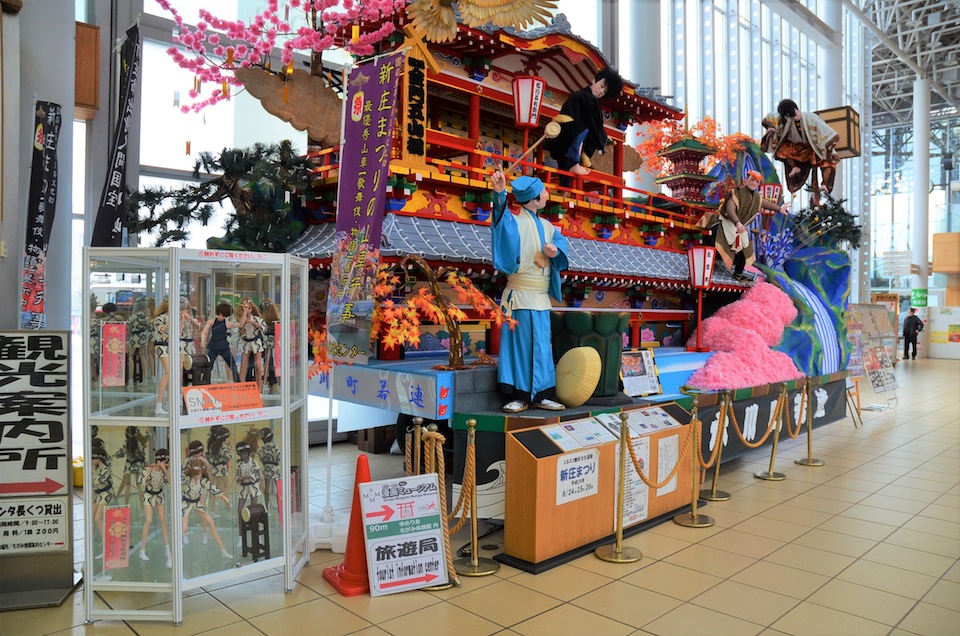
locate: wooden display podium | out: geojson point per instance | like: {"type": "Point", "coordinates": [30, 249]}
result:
{"type": "Point", "coordinates": [544, 522]}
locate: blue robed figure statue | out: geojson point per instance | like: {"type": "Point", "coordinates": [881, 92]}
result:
{"type": "Point", "coordinates": [532, 252]}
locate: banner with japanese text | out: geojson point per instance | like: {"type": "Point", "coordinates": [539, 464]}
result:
{"type": "Point", "coordinates": [364, 169]}
{"type": "Point", "coordinates": [41, 207]}
{"type": "Point", "coordinates": [116, 538]}
{"type": "Point", "coordinates": [111, 216]}
{"type": "Point", "coordinates": [113, 353]}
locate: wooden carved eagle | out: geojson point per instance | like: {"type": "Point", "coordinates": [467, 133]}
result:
{"type": "Point", "coordinates": [438, 18]}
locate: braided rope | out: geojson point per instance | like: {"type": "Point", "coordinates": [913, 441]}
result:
{"type": "Point", "coordinates": [408, 452]}
{"type": "Point", "coordinates": [770, 429]}
{"type": "Point", "coordinates": [435, 457]}
{"type": "Point", "coordinates": [676, 467]}
{"type": "Point", "coordinates": [716, 449]}
{"type": "Point", "coordinates": [803, 403]}
{"type": "Point", "coordinates": [466, 490]}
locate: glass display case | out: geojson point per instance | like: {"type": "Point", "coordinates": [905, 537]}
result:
{"type": "Point", "coordinates": [194, 423]}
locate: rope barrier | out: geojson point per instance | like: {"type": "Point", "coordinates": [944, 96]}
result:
{"type": "Point", "coordinates": [803, 403]}
{"type": "Point", "coordinates": [435, 458]}
{"type": "Point", "coordinates": [770, 429]}
{"type": "Point", "coordinates": [466, 490]}
{"type": "Point", "coordinates": [408, 452]}
{"type": "Point", "coordinates": [716, 449]}
{"type": "Point", "coordinates": [676, 467]}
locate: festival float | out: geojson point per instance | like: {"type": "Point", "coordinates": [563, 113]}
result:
{"type": "Point", "coordinates": [430, 113]}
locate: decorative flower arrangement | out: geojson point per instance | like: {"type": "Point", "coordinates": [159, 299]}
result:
{"type": "Point", "coordinates": [326, 24]}
{"type": "Point", "coordinates": [396, 323]}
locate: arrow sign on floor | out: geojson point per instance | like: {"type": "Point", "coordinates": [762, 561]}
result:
{"type": "Point", "coordinates": [426, 578]}
{"type": "Point", "coordinates": [47, 487]}
{"type": "Point", "coordinates": [385, 511]}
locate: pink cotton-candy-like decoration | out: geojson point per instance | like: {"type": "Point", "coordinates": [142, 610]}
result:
{"type": "Point", "coordinates": [743, 369]}
{"type": "Point", "coordinates": [741, 335]}
{"type": "Point", "coordinates": [764, 309]}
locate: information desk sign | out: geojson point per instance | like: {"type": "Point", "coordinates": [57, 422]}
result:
{"type": "Point", "coordinates": [403, 532]}
{"type": "Point", "coordinates": [36, 556]}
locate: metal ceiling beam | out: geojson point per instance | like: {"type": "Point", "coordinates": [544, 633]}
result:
{"type": "Point", "coordinates": [883, 37]}
{"type": "Point", "coordinates": [806, 21]}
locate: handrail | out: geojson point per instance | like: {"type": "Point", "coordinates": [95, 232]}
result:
{"type": "Point", "coordinates": [630, 208]}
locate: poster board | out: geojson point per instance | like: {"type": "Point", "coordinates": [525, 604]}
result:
{"type": "Point", "coordinates": [869, 326]}
{"type": "Point", "coordinates": [639, 372]}
{"type": "Point", "coordinates": [879, 369]}
{"type": "Point", "coordinates": [944, 326]}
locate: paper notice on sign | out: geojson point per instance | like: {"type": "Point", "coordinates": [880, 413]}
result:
{"type": "Point", "coordinates": [403, 532]}
{"type": "Point", "coordinates": [636, 494]}
{"type": "Point", "coordinates": [580, 433]}
{"type": "Point", "coordinates": [578, 475]}
{"type": "Point", "coordinates": [650, 419]}
{"type": "Point", "coordinates": [33, 525]}
{"type": "Point", "coordinates": [667, 451]}
{"type": "Point", "coordinates": [561, 437]}
{"type": "Point", "coordinates": [598, 430]}
{"type": "Point", "coordinates": [222, 398]}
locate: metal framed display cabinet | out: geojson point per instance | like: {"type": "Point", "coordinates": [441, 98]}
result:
{"type": "Point", "coordinates": [231, 499]}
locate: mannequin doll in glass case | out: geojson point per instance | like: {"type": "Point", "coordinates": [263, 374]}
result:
{"type": "Point", "coordinates": [135, 456]}
{"type": "Point", "coordinates": [248, 477]}
{"type": "Point", "coordinates": [219, 456]}
{"type": "Point", "coordinates": [270, 458]}
{"type": "Point", "coordinates": [156, 476]}
{"type": "Point", "coordinates": [196, 483]}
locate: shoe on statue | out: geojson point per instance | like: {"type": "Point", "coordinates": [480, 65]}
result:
{"type": "Point", "coordinates": [550, 405]}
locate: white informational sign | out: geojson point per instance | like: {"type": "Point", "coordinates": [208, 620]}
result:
{"type": "Point", "coordinates": [561, 437]}
{"type": "Point", "coordinates": [578, 475]}
{"type": "Point", "coordinates": [667, 450]}
{"type": "Point", "coordinates": [639, 373]}
{"type": "Point", "coordinates": [403, 532]}
{"type": "Point", "coordinates": [581, 433]}
{"type": "Point", "coordinates": [599, 431]}
{"type": "Point", "coordinates": [650, 419]}
{"type": "Point", "coordinates": [636, 494]}
{"type": "Point", "coordinates": [34, 418]}
{"type": "Point", "coordinates": [33, 525]}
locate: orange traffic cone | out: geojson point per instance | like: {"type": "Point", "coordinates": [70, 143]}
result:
{"type": "Point", "coordinates": [350, 577]}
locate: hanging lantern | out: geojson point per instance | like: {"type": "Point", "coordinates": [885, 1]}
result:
{"type": "Point", "coordinates": [527, 98]}
{"type": "Point", "coordinates": [700, 259]}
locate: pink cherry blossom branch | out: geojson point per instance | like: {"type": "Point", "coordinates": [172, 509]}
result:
{"type": "Point", "coordinates": [214, 47]}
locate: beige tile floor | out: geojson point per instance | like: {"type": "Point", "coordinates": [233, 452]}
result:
{"type": "Point", "coordinates": [868, 544]}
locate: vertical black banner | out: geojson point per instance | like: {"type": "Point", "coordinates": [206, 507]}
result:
{"type": "Point", "coordinates": [41, 207]}
{"type": "Point", "coordinates": [111, 217]}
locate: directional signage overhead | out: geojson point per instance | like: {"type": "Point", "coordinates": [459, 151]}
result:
{"type": "Point", "coordinates": [403, 531]}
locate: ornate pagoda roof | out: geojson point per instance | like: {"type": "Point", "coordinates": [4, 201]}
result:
{"type": "Point", "coordinates": [690, 144]}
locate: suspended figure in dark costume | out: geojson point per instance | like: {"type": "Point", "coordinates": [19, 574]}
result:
{"type": "Point", "coordinates": [584, 135]}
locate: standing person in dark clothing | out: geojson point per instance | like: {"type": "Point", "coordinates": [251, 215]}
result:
{"type": "Point", "coordinates": [912, 326]}
{"type": "Point", "coordinates": [580, 138]}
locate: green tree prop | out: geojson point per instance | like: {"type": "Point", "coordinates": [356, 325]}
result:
{"type": "Point", "coordinates": [829, 225]}
{"type": "Point", "coordinates": [263, 183]}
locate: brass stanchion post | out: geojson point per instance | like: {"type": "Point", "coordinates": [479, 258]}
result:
{"type": "Point", "coordinates": [771, 475]}
{"type": "Point", "coordinates": [692, 519]}
{"type": "Point", "coordinates": [713, 494]}
{"type": "Point", "coordinates": [475, 565]}
{"type": "Point", "coordinates": [417, 435]}
{"type": "Point", "coordinates": [617, 553]}
{"type": "Point", "coordinates": [809, 459]}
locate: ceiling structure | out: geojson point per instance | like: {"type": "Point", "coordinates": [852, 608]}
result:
{"type": "Point", "coordinates": [913, 37]}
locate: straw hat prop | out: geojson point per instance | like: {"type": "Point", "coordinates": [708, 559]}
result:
{"type": "Point", "coordinates": [578, 374]}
